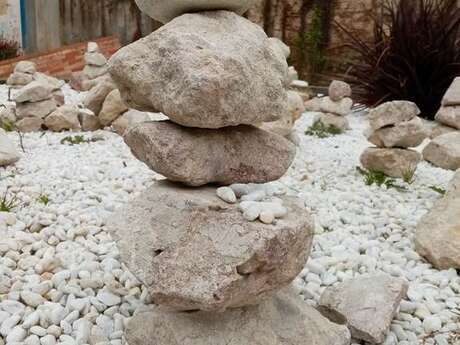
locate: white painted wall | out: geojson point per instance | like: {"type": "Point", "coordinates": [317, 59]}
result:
{"type": "Point", "coordinates": [10, 20]}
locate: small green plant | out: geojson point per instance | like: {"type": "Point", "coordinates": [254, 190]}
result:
{"type": "Point", "coordinates": [43, 199]}
{"type": "Point", "coordinates": [379, 178]}
{"type": "Point", "coordinates": [439, 190]}
{"type": "Point", "coordinates": [8, 126]}
{"type": "Point", "coordinates": [320, 130]}
{"type": "Point", "coordinates": [8, 203]}
{"type": "Point", "coordinates": [409, 176]}
{"type": "Point", "coordinates": [78, 139]}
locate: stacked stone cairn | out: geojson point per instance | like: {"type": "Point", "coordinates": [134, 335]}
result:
{"type": "Point", "coordinates": [394, 127]}
{"type": "Point", "coordinates": [94, 71]}
{"type": "Point", "coordinates": [214, 271]}
{"type": "Point", "coordinates": [333, 109]}
{"type": "Point", "coordinates": [444, 150]}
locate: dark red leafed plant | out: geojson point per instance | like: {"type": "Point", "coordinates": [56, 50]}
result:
{"type": "Point", "coordinates": [8, 49]}
{"type": "Point", "coordinates": [415, 54]}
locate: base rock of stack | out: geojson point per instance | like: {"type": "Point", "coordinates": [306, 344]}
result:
{"type": "Point", "coordinates": [282, 320]}
{"type": "Point", "coordinates": [164, 11]}
{"type": "Point", "coordinates": [193, 251]}
{"type": "Point", "coordinates": [444, 151]}
{"type": "Point", "coordinates": [35, 109]}
{"type": "Point", "coordinates": [206, 70]}
{"type": "Point", "coordinates": [392, 162]}
{"type": "Point", "coordinates": [339, 108]}
{"type": "Point", "coordinates": [406, 134]}
{"type": "Point", "coordinates": [196, 156]}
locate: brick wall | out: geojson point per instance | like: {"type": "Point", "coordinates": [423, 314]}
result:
{"type": "Point", "coordinates": [63, 61]}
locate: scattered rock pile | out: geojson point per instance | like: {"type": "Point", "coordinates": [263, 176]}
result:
{"type": "Point", "coordinates": [334, 108]}
{"type": "Point", "coordinates": [438, 236]}
{"type": "Point", "coordinates": [394, 127]}
{"type": "Point", "coordinates": [202, 261]}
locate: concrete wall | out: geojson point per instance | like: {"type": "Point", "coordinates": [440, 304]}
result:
{"type": "Point", "coordinates": [10, 20]}
{"type": "Point", "coordinates": [43, 25]}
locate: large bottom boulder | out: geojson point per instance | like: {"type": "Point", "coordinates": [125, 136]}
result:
{"type": "Point", "coordinates": [438, 233]}
{"type": "Point", "coordinates": [283, 320]}
{"type": "Point", "coordinates": [195, 156]}
{"type": "Point", "coordinates": [392, 162]}
{"type": "Point", "coordinates": [193, 251]}
{"type": "Point", "coordinates": [444, 151]}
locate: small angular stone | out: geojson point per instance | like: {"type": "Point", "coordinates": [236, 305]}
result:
{"type": "Point", "coordinates": [338, 90]}
{"type": "Point", "coordinates": [367, 305]}
{"type": "Point", "coordinates": [342, 107]}
{"type": "Point", "coordinates": [63, 118]}
{"type": "Point", "coordinates": [33, 92]}
{"type": "Point", "coordinates": [392, 162]}
{"type": "Point", "coordinates": [392, 113]}
{"type": "Point", "coordinates": [452, 96]}
{"type": "Point", "coordinates": [35, 109]}
{"type": "Point", "coordinates": [405, 134]}
{"type": "Point", "coordinates": [449, 116]}
{"type": "Point", "coordinates": [444, 151]}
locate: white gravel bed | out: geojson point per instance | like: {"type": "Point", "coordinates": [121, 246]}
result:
{"type": "Point", "coordinates": [61, 280]}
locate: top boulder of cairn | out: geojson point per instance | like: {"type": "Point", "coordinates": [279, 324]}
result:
{"type": "Point", "coordinates": [165, 11]}
{"type": "Point", "coordinates": [205, 70]}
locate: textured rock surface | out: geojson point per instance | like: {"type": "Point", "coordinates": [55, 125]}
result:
{"type": "Point", "coordinates": [284, 125]}
{"type": "Point", "coordinates": [405, 134]}
{"type": "Point", "coordinates": [194, 251]}
{"type": "Point", "coordinates": [392, 162]}
{"type": "Point", "coordinates": [342, 107]}
{"type": "Point", "coordinates": [440, 129]}
{"type": "Point", "coordinates": [19, 79]}
{"type": "Point", "coordinates": [88, 121]}
{"type": "Point", "coordinates": [449, 116]}
{"type": "Point", "coordinates": [36, 109]}
{"type": "Point", "coordinates": [207, 70]}
{"type": "Point", "coordinates": [164, 11]}
{"type": "Point", "coordinates": [338, 90]}
{"type": "Point", "coordinates": [367, 305]}
{"type": "Point", "coordinates": [95, 59]}
{"type": "Point", "coordinates": [27, 67]}
{"type": "Point", "coordinates": [282, 320]}
{"type": "Point", "coordinates": [112, 108]}
{"type": "Point", "coordinates": [133, 117]}
{"type": "Point", "coordinates": [93, 72]}
{"type": "Point", "coordinates": [29, 124]}
{"type": "Point", "coordinates": [9, 154]}
{"type": "Point", "coordinates": [438, 232]}
{"type": "Point", "coordinates": [197, 156]}
{"type": "Point", "coordinates": [63, 118]}
{"type": "Point", "coordinates": [96, 96]}
{"type": "Point", "coordinates": [392, 113]}
{"type": "Point", "coordinates": [33, 92]}
{"type": "Point", "coordinates": [452, 96]}
{"type": "Point", "coordinates": [444, 151]}
{"type": "Point", "coordinates": [337, 121]}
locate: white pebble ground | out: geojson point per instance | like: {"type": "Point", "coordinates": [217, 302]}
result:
{"type": "Point", "coordinates": [61, 280]}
